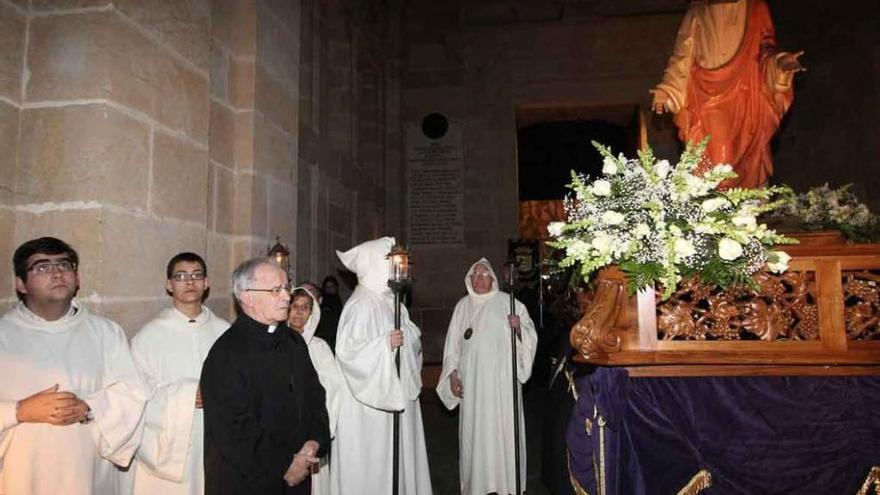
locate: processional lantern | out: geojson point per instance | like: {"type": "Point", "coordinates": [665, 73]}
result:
{"type": "Point", "coordinates": [399, 281]}
{"type": "Point", "coordinates": [399, 268]}
{"type": "Point", "coordinates": [280, 255]}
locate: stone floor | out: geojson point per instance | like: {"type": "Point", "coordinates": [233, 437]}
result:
{"type": "Point", "coordinates": [441, 435]}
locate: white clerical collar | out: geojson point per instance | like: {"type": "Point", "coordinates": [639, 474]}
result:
{"type": "Point", "coordinates": [272, 328]}
{"type": "Point", "coordinates": [71, 312]}
{"type": "Point", "coordinates": [181, 315]}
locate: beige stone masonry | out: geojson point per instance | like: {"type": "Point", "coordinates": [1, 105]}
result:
{"type": "Point", "coordinates": [179, 179]}
{"type": "Point", "coordinates": [8, 152]}
{"type": "Point", "coordinates": [224, 200]}
{"type": "Point", "coordinates": [222, 137]}
{"type": "Point", "coordinates": [101, 55]}
{"type": "Point", "coordinates": [241, 83]}
{"type": "Point", "coordinates": [12, 39]}
{"type": "Point", "coordinates": [83, 152]}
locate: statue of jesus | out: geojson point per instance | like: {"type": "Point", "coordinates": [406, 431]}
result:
{"type": "Point", "coordinates": [726, 79]}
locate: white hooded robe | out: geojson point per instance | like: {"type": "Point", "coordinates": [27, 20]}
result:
{"type": "Point", "coordinates": [332, 381]}
{"type": "Point", "coordinates": [84, 354]}
{"type": "Point", "coordinates": [169, 351]}
{"type": "Point", "coordinates": [362, 456]}
{"type": "Point", "coordinates": [482, 358]}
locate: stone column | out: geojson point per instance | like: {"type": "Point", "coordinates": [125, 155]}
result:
{"type": "Point", "coordinates": [113, 140]}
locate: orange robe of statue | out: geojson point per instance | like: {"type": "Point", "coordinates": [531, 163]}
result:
{"type": "Point", "coordinates": [723, 80]}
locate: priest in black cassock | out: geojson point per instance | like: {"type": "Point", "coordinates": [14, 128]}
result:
{"type": "Point", "coordinates": [265, 419]}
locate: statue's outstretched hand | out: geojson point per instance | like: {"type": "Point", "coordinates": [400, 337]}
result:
{"type": "Point", "coordinates": [790, 62]}
{"type": "Point", "coordinates": [660, 98]}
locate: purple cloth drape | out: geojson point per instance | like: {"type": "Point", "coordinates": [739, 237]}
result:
{"type": "Point", "coordinates": [755, 435]}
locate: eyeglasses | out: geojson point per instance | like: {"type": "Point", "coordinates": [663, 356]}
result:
{"type": "Point", "coordinates": [44, 267]}
{"type": "Point", "coordinates": [481, 274]}
{"type": "Point", "coordinates": [275, 290]}
{"type": "Point", "coordinates": [186, 276]}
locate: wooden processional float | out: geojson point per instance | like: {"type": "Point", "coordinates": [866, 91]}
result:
{"type": "Point", "coordinates": [820, 317]}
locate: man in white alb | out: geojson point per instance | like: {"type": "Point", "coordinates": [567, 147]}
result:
{"type": "Point", "coordinates": [169, 351]}
{"type": "Point", "coordinates": [71, 398]}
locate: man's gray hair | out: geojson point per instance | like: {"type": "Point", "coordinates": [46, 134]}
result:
{"type": "Point", "coordinates": [243, 276]}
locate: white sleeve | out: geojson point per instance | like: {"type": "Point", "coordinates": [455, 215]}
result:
{"type": "Point", "coordinates": [410, 357]}
{"type": "Point", "coordinates": [7, 415]}
{"type": "Point", "coordinates": [329, 376]}
{"type": "Point", "coordinates": [451, 356]}
{"type": "Point", "coordinates": [365, 357]}
{"type": "Point", "coordinates": [119, 405]}
{"type": "Point", "coordinates": [527, 345]}
{"type": "Point", "coordinates": [168, 417]}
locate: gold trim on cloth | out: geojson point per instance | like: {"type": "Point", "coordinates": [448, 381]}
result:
{"type": "Point", "coordinates": [700, 481]}
{"type": "Point", "coordinates": [873, 480]}
{"type": "Point", "coordinates": [578, 489]}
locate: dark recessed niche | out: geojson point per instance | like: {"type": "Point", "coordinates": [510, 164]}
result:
{"type": "Point", "coordinates": [435, 125]}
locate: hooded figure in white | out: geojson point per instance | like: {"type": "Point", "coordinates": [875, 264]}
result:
{"type": "Point", "coordinates": [361, 461]}
{"type": "Point", "coordinates": [477, 374]}
{"type": "Point", "coordinates": [328, 374]}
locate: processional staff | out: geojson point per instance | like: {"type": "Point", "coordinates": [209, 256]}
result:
{"type": "Point", "coordinates": [510, 266]}
{"type": "Point", "coordinates": [399, 281]}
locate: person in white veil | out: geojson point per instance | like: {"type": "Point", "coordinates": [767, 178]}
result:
{"type": "Point", "coordinates": [366, 344]}
{"type": "Point", "coordinates": [477, 375]}
{"type": "Point", "coordinates": [304, 316]}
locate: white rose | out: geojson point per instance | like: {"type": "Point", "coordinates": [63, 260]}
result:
{"type": "Point", "coordinates": [555, 228]}
{"type": "Point", "coordinates": [578, 249]}
{"type": "Point", "coordinates": [641, 230]}
{"type": "Point", "coordinates": [612, 218]}
{"type": "Point", "coordinates": [683, 249]}
{"type": "Point", "coordinates": [745, 221]}
{"type": "Point", "coordinates": [729, 250]}
{"type": "Point", "coordinates": [602, 188]}
{"type": "Point", "coordinates": [714, 204]}
{"type": "Point", "coordinates": [662, 168]}
{"type": "Point", "coordinates": [705, 228]}
{"type": "Point", "coordinates": [781, 263]}
{"type": "Point", "coordinates": [609, 166]}
{"type": "Point", "coordinates": [602, 243]}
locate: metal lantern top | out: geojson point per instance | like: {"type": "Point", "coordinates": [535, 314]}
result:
{"type": "Point", "coordinates": [279, 254]}
{"type": "Point", "coordinates": [398, 269]}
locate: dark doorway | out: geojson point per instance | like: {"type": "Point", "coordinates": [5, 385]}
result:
{"type": "Point", "coordinates": [551, 142]}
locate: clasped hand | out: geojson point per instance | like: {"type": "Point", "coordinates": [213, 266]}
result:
{"type": "Point", "coordinates": [53, 407]}
{"type": "Point", "coordinates": [302, 463]}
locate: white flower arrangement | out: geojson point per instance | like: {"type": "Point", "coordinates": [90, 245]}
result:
{"type": "Point", "coordinates": [827, 208]}
{"type": "Point", "coordinates": [661, 223]}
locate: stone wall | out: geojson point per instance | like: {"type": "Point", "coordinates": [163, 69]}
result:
{"type": "Point", "coordinates": [110, 106]}
{"type": "Point", "coordinates": [140, 128]}
{"type": "Point", "coordinates": [349, 167]}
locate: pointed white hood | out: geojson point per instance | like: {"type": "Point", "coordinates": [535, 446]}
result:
{"type": "Point", "coordinates": [481, 298]}
{"type": "Point", "coordinates": [370, 263]}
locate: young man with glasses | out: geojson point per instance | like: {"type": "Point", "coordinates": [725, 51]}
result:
{"type": "Point", "coordinates": [266, 424]}
{"type": "Point", "coordinates": [169, 351]}
{"type": "Point", "coordinates": [71, 397]}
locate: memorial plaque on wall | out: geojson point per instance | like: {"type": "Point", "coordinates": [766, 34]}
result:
{"type": "Point", "coordinates": [435, 180]}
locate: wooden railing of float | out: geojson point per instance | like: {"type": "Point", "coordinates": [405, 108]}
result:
{"type": "Point", "coordinates": [822, 316]}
